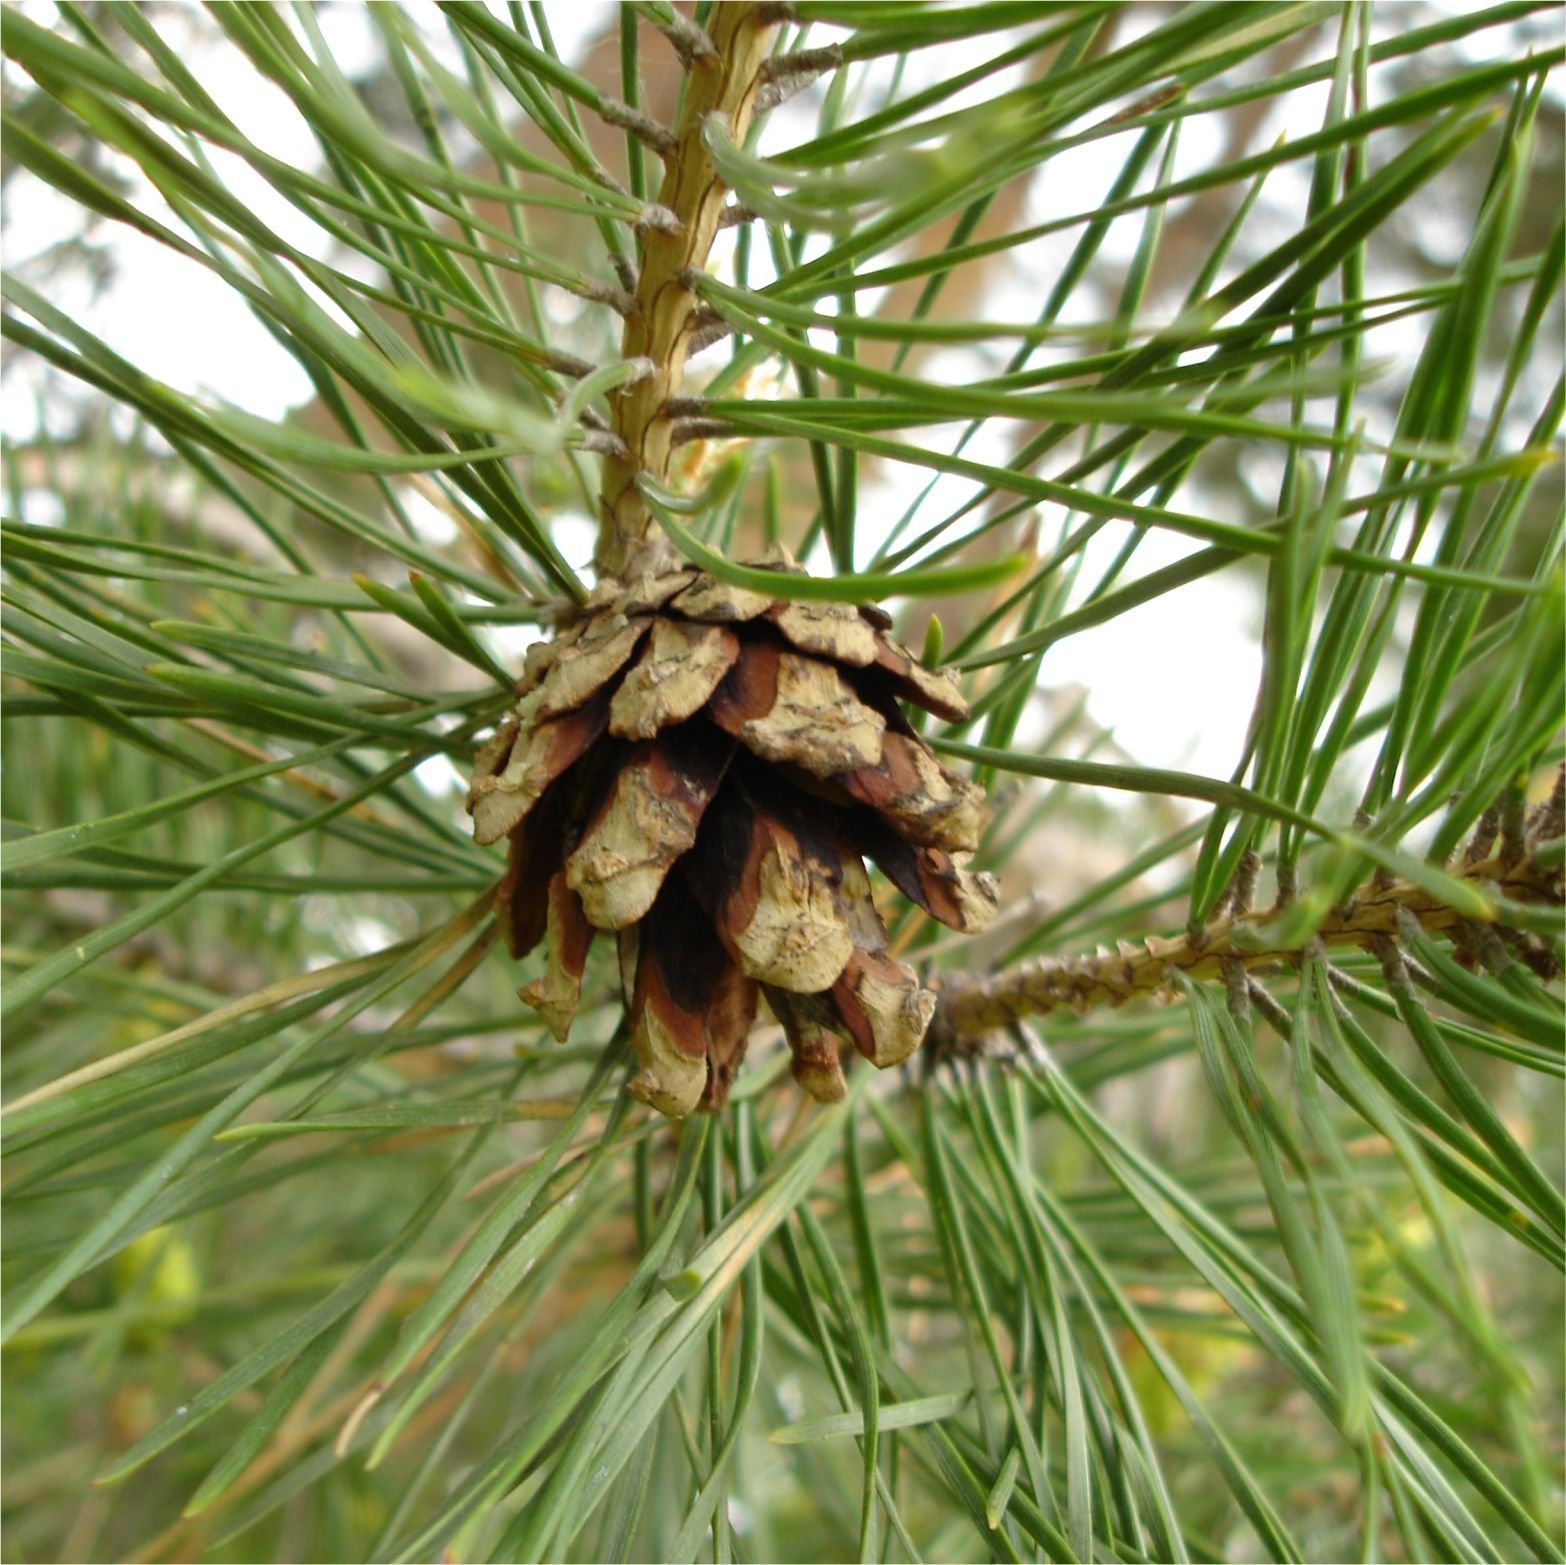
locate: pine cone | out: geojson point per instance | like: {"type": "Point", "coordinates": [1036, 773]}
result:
{"type": "Point", "coordinates": [702, 769]}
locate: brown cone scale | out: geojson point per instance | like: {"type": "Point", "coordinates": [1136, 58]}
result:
{"type": "Point", "coordinates": [703, 771]}
{"type": "Point", "coordinates": [556, 995]}
{"type": "Point", "coordinates": [647, 820]}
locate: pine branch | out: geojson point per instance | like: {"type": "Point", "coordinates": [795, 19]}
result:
{"type": "Point", "coordinates": [971, 1011]}
{"type": "Point", "coordinates": [688, 214]}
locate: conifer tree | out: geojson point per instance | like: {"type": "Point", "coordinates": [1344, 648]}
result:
{"type": "Point", "coordinates": [639, 656]}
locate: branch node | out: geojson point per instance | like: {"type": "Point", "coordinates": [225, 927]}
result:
{"type": "Point", "coordinates": [625, 270]}
{"type": "Point", "coordinates": [567, 364]}
{"type": "Point", "coordinates": [1270, 1011]}
{"type": "Point", "coordinates": [621, 300]}
{"type": "Point", "coordinates": [1484, 945]}
{"type": "Point", "coordinates": [654, 218]}
{"type": "Point", "coordinates": [1393, 968]}
{"type": "Point", "coordinates": [1483, 839]}
{"type": "Point", "coordinates": [1237, 989]}
{"type": "Point", "coordinates": [690, 42]}
{"type": "Point", "coordinates": [700, 341]}
{"type": "Point", "coordinates": [779, 67]}
{"type": "Point", "coordinates": [644, 127]}
{"type": "Point", "coordinates": [1288, 884]}
{"type": "Point", "coordinates": [604, 442]}
{"type": "Point", "coordinates": [783, 75]}
{"type": "Point", "coordinates": [688, 429]}
{"type": "Point", "coordinates": [1240, 896]}
{"type": "Point", "coordinates": [1513, 827]}
{"type": "Point", "coordinates": [706, 327]}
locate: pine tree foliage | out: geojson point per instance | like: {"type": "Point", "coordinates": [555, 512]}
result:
{"type": "Point", "coordinates": [1220, 1215]}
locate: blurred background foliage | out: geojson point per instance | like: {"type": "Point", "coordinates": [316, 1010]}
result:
{"type": "Point", "coordinates": [316, 1247]}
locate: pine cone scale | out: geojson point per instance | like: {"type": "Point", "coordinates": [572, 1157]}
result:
{"type": "Point", "coordinates": [682, 669]}
{"type": "Point", "coordinates": [936, 692]}
{"type": "Point", "coordinates": [785, 707]}
{"type": "Point", "coordinates": [647, 820]}
{"type": "Point", "coordinates": [542, 753]}
{"type": "Point", "coordinates": [568, 938]}
{"type": "Point", "coordinates": [811, 1026]}
{"type": "Point", "coordinates": [957, 897]}
{"type": "Point", "coordinates": [910, 789]}
{"type": "Point", "coordinates": [536, 854]}
{"type": "Point", "coordinates": [830, 630]}
{"type": "Point", "coordinates": [709, 599]}
{"type": "Point", "coordinates": [883, 1007]}
{"type": "Point", "coordinates": [691, 1009]}
{"type": "Point", "coordinates": [581, 668]}
{"type": "Point", "coordinates": [771, 898]}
